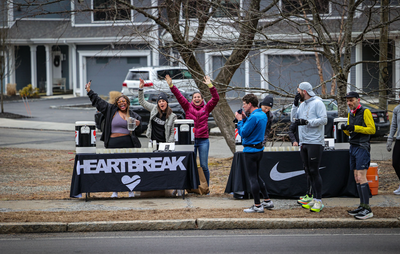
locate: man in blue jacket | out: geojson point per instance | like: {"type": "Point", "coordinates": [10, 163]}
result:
{"type": "Point", "coordinates": [311, 117]}
{"type": "Point", "coordinates": [252, 130]}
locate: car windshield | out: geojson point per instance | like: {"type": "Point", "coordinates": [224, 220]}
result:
{"type": "Point", "coordinates": [152, 98]}
{"type": "Point", "coordinates": [330, 106]}
{"type": "Point", "coordinates": [174, 74]}
{"type": "Point", "coordinates": [136, 75]}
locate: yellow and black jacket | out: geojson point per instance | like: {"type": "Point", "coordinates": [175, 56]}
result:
{"type": "Point", "coordinates": [364, 127]}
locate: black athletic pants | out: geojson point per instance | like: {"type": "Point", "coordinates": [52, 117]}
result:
{"type": "Point", "coordinates": [396, 157]}
{"type": "Point", "coordinates": [311, 156]}
{"type": "Point", "coordinates": [257, 184]}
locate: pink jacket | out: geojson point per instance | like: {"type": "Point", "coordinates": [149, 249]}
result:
{"type": "Point", "coordinates": [198, 113]}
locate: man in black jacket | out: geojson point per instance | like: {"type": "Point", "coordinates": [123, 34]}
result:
{"type": "Point", "coordinates": [266, 106]}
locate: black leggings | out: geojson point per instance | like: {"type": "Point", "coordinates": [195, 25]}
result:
{"type": "Point", "coordinates": [311, 156]}
{"type": "Point", "coordinates": [396, 157]}
{"type": "Point", "coordinates": [257, 184]}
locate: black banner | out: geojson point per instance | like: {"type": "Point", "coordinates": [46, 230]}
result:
{"type": "Point", "coordinates": [133, 172]}
{"type": "Point", "coordinates": [284, 175]}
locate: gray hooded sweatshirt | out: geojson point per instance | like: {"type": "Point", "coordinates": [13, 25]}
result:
{"type": "Point", "coordinates": [313, 110]}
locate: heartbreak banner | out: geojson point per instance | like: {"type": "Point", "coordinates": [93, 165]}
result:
{"type": "Point", "coordinates": [135, 171]}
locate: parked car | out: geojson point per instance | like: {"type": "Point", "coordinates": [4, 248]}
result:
{"type": "Point", "coordinates": [154, 78]}
{"type": "Point", "coordinates": [281, 120]}
{"type": "Point", "coordinates": [151, 95]}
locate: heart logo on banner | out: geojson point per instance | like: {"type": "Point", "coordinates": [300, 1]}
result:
{"type": "Point", "coordinates": [131, 182]}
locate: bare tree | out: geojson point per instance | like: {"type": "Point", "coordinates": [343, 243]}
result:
{"type": "Point", "coordinates": [324, 32]}
{"type": "Point", "coordinates": [383, 54]}
{"type": "Point", "coordinates": [191, 26]}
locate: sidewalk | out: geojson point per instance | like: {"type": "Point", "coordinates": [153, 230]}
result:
{"type": "Point", "coordinates": [193, 202]}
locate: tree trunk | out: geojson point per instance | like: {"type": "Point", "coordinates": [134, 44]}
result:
{"type": "Point", "coordinates": [333, 85]}
{"type": "Point", "coordinates": [383, 50]}
{"type": "Point", "coordinates": [342, 88]}
{"type": "Point", "coordinates": [321, 76]}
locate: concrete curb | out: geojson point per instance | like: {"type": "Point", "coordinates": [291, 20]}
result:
{"type": "Point", "coordinates": [141, 225]}
{"type": "Point", "coordinates": [32, 227]}
{"type": "Point", "coordinates": [282, 223]}
{"type": "Point", "coordinates": [192, 224]}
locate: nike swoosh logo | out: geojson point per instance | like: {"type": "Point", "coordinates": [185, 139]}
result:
{"type": "Point", "coordinates": [277, 176]}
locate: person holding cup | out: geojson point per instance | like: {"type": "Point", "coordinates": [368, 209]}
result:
{"type": "Point", "coordinates": [116, 133]}
{"type": "Point", "coordinates": [161, 121]}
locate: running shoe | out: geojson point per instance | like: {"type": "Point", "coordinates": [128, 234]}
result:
{"type": "Point", "coordinates": [355, 211]}
{"type": "Point", "coordinates": [397, 192]}
{"type": "Point", "coordinates": [267, 205]}
{"type": "Point", "coordinates": [317, 207]}
{"type": "Point", "coordinates": [254, 209]}
{"type": "Point", "coordinates": [309, 204]}
{"type": "Point", "coordinates": [304, 199]}
{"type": "Point", "coordinates": [364, 214]}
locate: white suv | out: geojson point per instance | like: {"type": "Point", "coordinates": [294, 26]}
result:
{"type": "Point", "coordinates": [154, 77]}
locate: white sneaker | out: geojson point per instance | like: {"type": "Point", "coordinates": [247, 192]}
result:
{"type": "Point", "coordinates": [254, 209]}
{"type": "Point", "coordinates": [397, 192]}
{"type": "Point", "coordinates": [131, 194]}
{"type": "Point", "coordinates": [114, 195]}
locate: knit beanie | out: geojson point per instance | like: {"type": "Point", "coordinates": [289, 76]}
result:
{"type": "Point", "coordinates": [268, 101]}
{"type": "Point", "coordinates": [162, 96]}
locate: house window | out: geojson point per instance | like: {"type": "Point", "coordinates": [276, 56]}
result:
{"type": "Point", "coordinates": [301, 6]}
{"type": "Point", "coordinates": [110, 10]}
{"type": "Point", "coordinates": [228, 8]}
{"type": "Point", "coordinates": [194, 9]}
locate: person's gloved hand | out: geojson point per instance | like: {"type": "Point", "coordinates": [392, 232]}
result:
{"type": "Point", "coordinates": [349, 127]}
{"type": "Point", "coordinates": [296, 99]}
{"type": "Point", "coordinates": [301, 121]}
{"type": "Point", "coordinates": [389, 144]}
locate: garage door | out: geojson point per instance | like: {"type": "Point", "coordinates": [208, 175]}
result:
{"type": "Point", "coordinates": [108, 73]}
{"type": "Point", "coordinates": [238, 79]}
{"type": "Point", "coordinates": [287, 71]}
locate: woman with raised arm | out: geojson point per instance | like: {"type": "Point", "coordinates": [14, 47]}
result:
{"type": "Point", "coordinates": [198, 111]}
{"type": "Point", "coordinates": [161, 121]}
{"type": "Point", "coordinates": [116, 133]}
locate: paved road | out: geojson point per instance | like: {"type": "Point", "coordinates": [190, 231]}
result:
{"type": "Point", "coordinates": [205, 241]}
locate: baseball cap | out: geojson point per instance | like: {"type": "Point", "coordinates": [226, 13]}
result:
{"type": "Point", "coordinates": [307, 86]}
{"type": "Point", "coordinates": [267, 101]}
{"type": "Point", "coordinates": [352, 95]}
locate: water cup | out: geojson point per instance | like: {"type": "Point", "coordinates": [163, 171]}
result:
{"type": "Point", "coordinates": [131, 123]}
